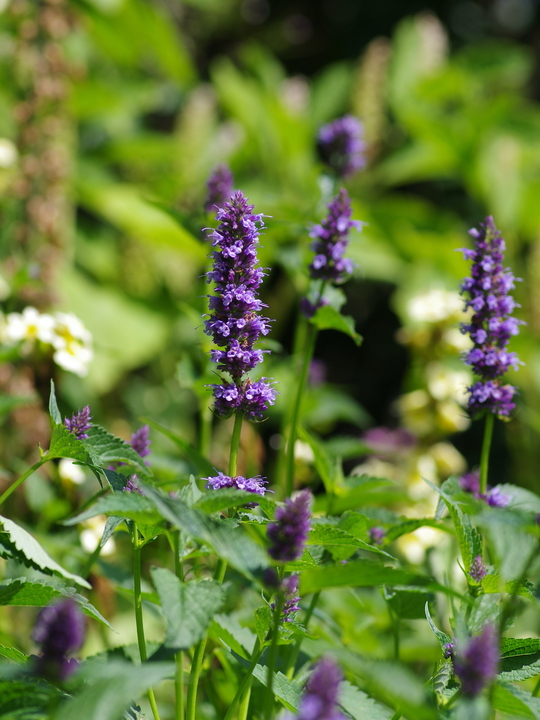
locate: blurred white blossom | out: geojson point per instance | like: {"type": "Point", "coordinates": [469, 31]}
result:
{"type": "Point", "coordinates": [92, 533]}
{"type": "Point", "coordinates": [29, 325]}
{"type": "Point", "coordinates": [70, 472]}
{"type": "Point", "coordinates": [435, 306]}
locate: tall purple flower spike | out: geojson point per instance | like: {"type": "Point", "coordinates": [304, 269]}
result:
{"type": "Point", "coordinates": [478, 570]}
{"type": "Point", "coordinates": [219, 187]}
{"type": "Point", "coordinates": [491, 326]}
{"type": "Point", "coordinates": [79, 423]}
{"type": "Point", "coordinates": [341, 146]}
{"type": "Point", "coordinates": [288, 534]}
{"type": "Point", "coordinates": [235, 323]}
{"type": "Point", "coordinates": [59, 630]}
{"type": "Point", "coordinates": [477, 663]}
{"type": "Point", "coordinates": [319, 701]}
{"type": "Point", "coordinates": [140, 441]}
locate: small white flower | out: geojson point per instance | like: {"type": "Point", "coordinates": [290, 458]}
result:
{"type": "Point", "coordinates": [29, 325]}
{"type": "Point", "coordinates": [93, 532]}
{"type": "Point", "coordinates": [8, 151]}
{"type": "Point", "coordinates": [72, 343]}
{"type": "Point", "coordinates": [70, 472]}
{"type": "Point", "coordinates": [447, 384]}
{"type": "Point", "coordinates": [74, 358]}
{"type": "Point", "coordinates": [435, 306]}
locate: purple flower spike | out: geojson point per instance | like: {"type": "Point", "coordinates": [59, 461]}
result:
{"type": "Point", "coordinates": [331, 238]}
{"type": "Point", "coordinates": [219, 188]}
{"type": "Point", "coordinates": [491, 326]}
{"type": "Point", "coordinates": [289, 588]}
{"type": "Point", "coordinates": [470, 482]}
{"type": "Point", "coordinates": [341, 146]}
{"type": "Point", "coordinates": [319, 701]}
{"type": "Point", "coordinates": [377, 535]}
{"type": "Point", "coordinates": [255, 484]}
{"type": "Point", "coordinates": [79, 423]}
{"type": "Point", "coordinates": [140, 441]}
{"type": "Point", "coordinates": [234, 321]}
{"type": "Point", "coordinates": [478, 569]}
{"type": "Point", "coordinates": [477, 663]}
{"type": "Point", "coordinates": [59, 630]}
{"type": "Point", "coordinates": [288, 534]}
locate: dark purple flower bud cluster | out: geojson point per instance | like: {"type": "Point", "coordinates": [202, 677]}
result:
{"type": "Point", "coordinates": [59, 631]}
{"type": "Point", "coordinates": [79, 423]}
{"type": "Point", "coordinates": [477, 663]}
{"type": "Point", "coordinates": [470, 482]}
{"type": "Point", "coordinates": [289, 588]}
{"type": "Point", "coordinates": [219, 187]}
{"type": "Point", "coordinates": [491, 326]}
{"type": "Point", "coordinates": [320, 698]}
{"type": "Point", "coordinates": [234, 321]}
{"type": "Point", "coordinates": [288, 534]}
{"type": "Point", "coordinates": [140, 441]}
{"type": "Point", "coordinates": [132, 485]}
{"type": "Point", "coordinates": [341, 146]}
{"type": "Point", "coordinates": [478, 570]}
{"type": "Point", "coordinates": [449, 648]}
{"type": "Point", "coordinates": [331, 238]}
{"type": "Point", "coordinates": [376, 535]}
{"type": "Point", "coordinates": [255, 484]}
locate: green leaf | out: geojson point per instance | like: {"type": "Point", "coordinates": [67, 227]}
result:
{"type": "Point", "coordinates": [493, 583]}
{"type": "Point", "coordinates": [520, 659]}
{"type": "Point", "coordinates": [323, 462]}
{"type": "Point", "coordinates": [407, 602]}
{"type": "Point", "coordinates": [65, 445]}
{"type": "Point", "coordinates": [358, 573]}
{"type": "Point", "coordinates": [215, 500]}
{"type": "Point", "coordinates": [188, 607]}
{"type": "Point", "coordinates": [128, 505]}
{"type": "Point", "coordinates": [263, 622]}
{"type": "Point", "coordinates": [508, 533]}
{"type": "Point", "coordinates": [359, 705]}
{"type": "Point", "coordinates": [105, 448]}
{"type": "Point", "coordinates": [235, 636]}
{"type": "Point", "coordinates": [441, 636]}
{"type": "Point", "coordinates": [13, 654]}
{"type": "Point", "coordinates": [328, 318]}
{"type": "Point", "coordinates": [229, 544]}
{"type": "Point", "coordinates": [288, 692]}
{"type": "Point", "coordinates": [331, 536]}
{"type": "Point", "coordinates": [54, 412]}
{"type": "Point", "coordinates": [515, 703]}
{"type": "Point", "coordinates": [110, 689]}
{"type": "Point", "coordinates": [27, 700]}
{"type": "Point", "coordinates": [442, 678]}
{"type": "Point", "coordinates": [23, 548]}
{"type": "Point", "coordinates": [30, 593]}
{"type": "Point", "coordinates": [192, 455]}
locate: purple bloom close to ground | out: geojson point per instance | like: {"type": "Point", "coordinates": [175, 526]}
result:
{"type": "Point", "coordinates": [341, 146]}
{"type": "Point", "coordinates": [219, 187]}
{"type": "Point", "coordinates": [319, 701]}
{"type": "Point", "coordinates": [59, 631]}
{"type": "Point", "coordinates": [140, 441]}
{"type": "Point", "coordinates": [234, 321]}
{"type": "Point", "coordinates": [288, 534]}
{"type": "Point", "coordinates": [491, 326]}
{"type": "Point", "coordinates": [79, 423]}
{"type": "Point", "coordinates": [331, 238]}
{"type": "Point", "coordinates": [478, 569]}
{"type": "Point", "coordinates": [477, 663]}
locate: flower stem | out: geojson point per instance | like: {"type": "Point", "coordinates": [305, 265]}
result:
{"type": "Point", "coordinates": [11, 489]}
{"type": "Point", "coordinates": [235, 443]}
{"type": "Point", "coordinates": [291, 440]}
{"type": "Point", "coordinates": [137, 545]}
{"type": "Point", "coordinates": [244, 689]}
{"type": "Point", "coordinates": [269, 698]}
{"type": "Point", "coordinates": [484, 459]}
{"type": "Point", "coordinates": [179, 657]}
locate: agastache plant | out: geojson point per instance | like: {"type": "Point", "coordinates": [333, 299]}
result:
{"type": "Point", "coordinates": [79, 423]}
{"type": "Point", "coordinates": [490, 328]}
{"type": "Point", "coordinates": [341, 146]}
{"type": "Point", "coordinates": [59, 631]}
{"type": "Point", "coordinates": [219, 188]}
{"type": "Point", "coordinates": [477, 662]}
{"type": "Point", "coordinates": [320, 698]}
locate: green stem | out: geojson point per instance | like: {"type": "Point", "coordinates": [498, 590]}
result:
{"type": "Point", "coordinates": [235, 443]}
{"type": "Point", "coordinates": [244, 689]}
{"type": "Point", "coordinates": [291, 665]}
{"type": "Point", "coordinates": [205, 429]}
{"type": "Point", "coordinates": [193, 682]}
{"type": "Point", "coordinates": [137, 545]}
{"type": "Point", "coordinates": [484, 459]}
{"type": "Point", "coordinates": [291, 440]}
{"type": "Point", "coordinates": [272, 656]}
{"type": "Point", "coordinates": [179, 657]}
{"type": "Point", "coordinates": [11, 489]}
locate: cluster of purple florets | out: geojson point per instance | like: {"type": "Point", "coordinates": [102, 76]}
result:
{"type": "Point", "coordinates": [288, 534]}
{"type": "Point", "coordinates": [491, 326]}
{"type": "Point", "coordinates": [140, 442]}
{"type": "Point", "coordinates": [59, 631]}
{"type": "Point", "coordinates": [219, 188]}
{"type": "Point", "coordinates": [341, 146]}
{"type": "Point", "coordinates": [320, 698]}
{"type": "Point", "coordinates": [476, 663]}
{"type": "Point", "coordinates": [289, 588]}
{"type": "Point", "coordinates": [234, 321]}
{"type": "Point", "coordinates": [478, 570]}
{"type": "Point", "coordinates": [470, 482]}
{"type": "Point", "coordinates": [255, 484]}
{"type": "Point", "coordinates": [79, 423]}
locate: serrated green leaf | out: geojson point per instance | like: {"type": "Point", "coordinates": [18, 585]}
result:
{"type": "Point", "coordinates": [28, 699]}
{"type": "Point", "coordinates": [111, 524]}
{"type": "Point", "coordinates": [65, 445]}
{"type": "Point", "coordinates": [30, 593]}
{"type": "Point", "coordinates": [25, 549]}
{"type": "Point", "coordinates": [407, 602]}
{"type": "Point", "coordinates": [54, 412]}
{"type": "Point", "coordinates": [13, 654]}
{"type": "Point", "coordinates": [359, 705]}
{"type": "Point", "coordinates": [328, 318]}
{"type": "Point", "coordinates": [188, 607]}
{"type": "Point", "coordinates": [105, 448]}
{"type": "Point", "coordinates": [215, 500]}
{"type": "Point", "coordinates": [227, 629]}
{"type": "Point", "coordinates": [515, 703]}
{"type": "Point", "coordinates": [484, 609]}
{"type": "Point", "coordinates": [441, 636]}
{"type": "Point", "coordinates": [331, 536]}
{"type": "Point", "coordinates": [520, 659]}
{"type": "Point", "coordinates": [288, 692]}
{"type": "Point", "coordinates": [493, 583]}
{"type": "Point", "coordinates": [263, 622]}
{"type": "Point", "coordinates": [442, 677]}
{"type": "Point", "coordinates": [111, 688]}
{"type": "Point", "coordinates": [229, 544]}
{"type": "Point", "coordinates": [507, 531]}
{"type": "Point", "coordinates": [128, 505]}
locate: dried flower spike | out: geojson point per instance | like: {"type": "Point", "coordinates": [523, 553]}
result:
{"type": "Point", "coordinates": [219, 187]}
{"type": "Point", "coordinates": [79, 423]}
{"type": "Point", "coordinates": [477, 663]}
{"type": "Point", "coordinates": [288, 534]}
{"type": "Point", "coordinates": [491, 326]}
{"type": "Point", "coordinates": [234, 321]}
{"type": "Point", "coordinates": [341, 146]}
